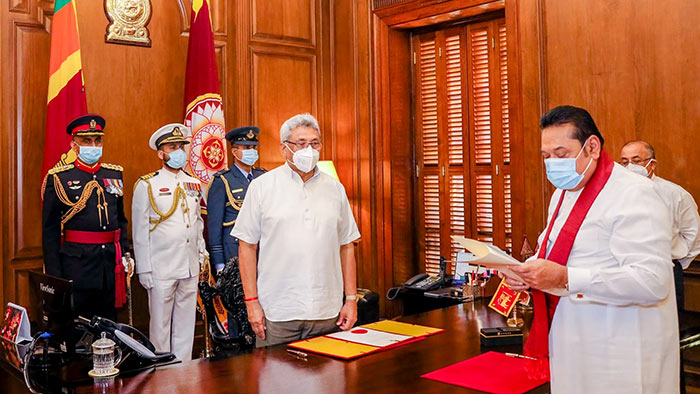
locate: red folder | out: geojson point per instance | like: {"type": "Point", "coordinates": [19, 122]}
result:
{"type": "Point", "coordinates": [491, 372]}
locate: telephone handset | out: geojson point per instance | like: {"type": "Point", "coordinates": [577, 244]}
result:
{"type": "Point", "coordinates": [422, 282]}
{"type": "Point", "coordinates": [425, 282]}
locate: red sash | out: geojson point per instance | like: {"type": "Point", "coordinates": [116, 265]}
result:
{"type": "Point", "coordinates": [545, 304]}
{"type": "Point", "coordinates": [104, 237]}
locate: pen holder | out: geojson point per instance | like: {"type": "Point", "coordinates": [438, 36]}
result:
{"type": "Point", "coordinates": [471, 292]}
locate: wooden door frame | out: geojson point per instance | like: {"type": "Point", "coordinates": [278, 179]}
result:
{"type": "Point", "coordinates": [392, 22]}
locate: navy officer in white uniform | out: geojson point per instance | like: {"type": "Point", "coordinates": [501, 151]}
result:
{"type": "Point", "coordinates": [169, 243]}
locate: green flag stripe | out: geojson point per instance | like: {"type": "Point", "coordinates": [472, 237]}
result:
{"type": "Point", "coordinates": [60, 4]}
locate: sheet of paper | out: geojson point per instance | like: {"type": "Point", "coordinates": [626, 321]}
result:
{"type": "Point", "coordinates": [333, 347]}
{"type": "Point", "coordinates": [402, 328]}
{"type": "Point", "coordinates": [486, 254]}
{"type": "Point", "coordinates": [491, 256]}
{"type": "Point", "coordinates": [367, 336]}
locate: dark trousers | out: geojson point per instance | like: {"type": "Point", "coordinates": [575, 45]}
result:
{"type": "Point", "coordinates": [89, 303]}
{"type": "Point", "coordinates": [680, 299]}
{"type": "Point", "coordinates": [678, 280]}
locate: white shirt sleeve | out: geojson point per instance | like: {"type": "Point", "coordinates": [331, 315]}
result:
{"type": "Point", "coordinates": [640, 241]}
{"type": "Point", "coordinates": [347, 227]}
{"type": "Point", "coordinates": [689, 221]}
{"type": "Point", "coordinates": [140, 215]}
{"type": "Point", "coordinates": [248, 223]}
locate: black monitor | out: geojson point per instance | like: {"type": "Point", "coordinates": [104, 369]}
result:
{"type": "Point", "coordinates": [51, 308]}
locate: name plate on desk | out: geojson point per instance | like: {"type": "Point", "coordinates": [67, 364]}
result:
{"type": "Point", "coordinates": [500, 336]}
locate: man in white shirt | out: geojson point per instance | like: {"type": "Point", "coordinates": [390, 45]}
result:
{"type": "Point", "coordinates": [639, 157]}
{"type": "Point", "coordinates": [169, 242]}
{"type": "Point", "coordinates": [303, 222]}
{"type": "Point", "coordinates": [607, 251]}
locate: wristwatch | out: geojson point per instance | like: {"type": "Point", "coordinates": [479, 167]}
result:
{"type": "Point", "coordinates": [351, 297]}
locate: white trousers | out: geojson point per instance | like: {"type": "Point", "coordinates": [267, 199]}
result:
{"type": "Point", "coordinates": [172, 304]}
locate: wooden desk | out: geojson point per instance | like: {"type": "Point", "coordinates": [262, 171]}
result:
{"type": "Point", "coordinates": [273, 370]}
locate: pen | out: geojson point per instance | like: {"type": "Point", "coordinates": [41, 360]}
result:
{"type": "Point", "coordinates": [297, 353]}
{"type": "Point", "coordinates": [516, 355]}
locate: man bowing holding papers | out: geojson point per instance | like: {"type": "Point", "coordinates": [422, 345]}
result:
{"type": "Point", "coordinates": [607, 246]}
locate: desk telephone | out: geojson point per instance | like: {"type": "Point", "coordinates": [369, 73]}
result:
{"type": "Point", "coordinates": [425, 282]}
{"type": "Point", "coordinates": [422, 282]}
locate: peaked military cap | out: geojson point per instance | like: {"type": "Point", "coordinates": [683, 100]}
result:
{"type": "Point", "coordinates": [89, 124]}
{"type": "Point", "coordinates": [246, 135]}
{"type": "Point", "coordinates": [173, 132]}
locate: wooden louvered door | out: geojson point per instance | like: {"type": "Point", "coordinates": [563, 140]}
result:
{"type": "Point", "coordinates": [462, 141]}
{"type": "Point", "coordinates": [426, 52]}
{"type": "Point", "coordinates": [489, 133]}
{"type": "Point", "coordinates": [441, 160]}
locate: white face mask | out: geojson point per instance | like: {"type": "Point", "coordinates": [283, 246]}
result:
{"type": "Point", "coordinates": [305, 159]}
{"type": "Point", "coordinates": [637, 169]}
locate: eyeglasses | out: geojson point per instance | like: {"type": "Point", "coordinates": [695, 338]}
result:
{"type": "Point", "coordinates": [635, 160]}
{"type": "Point", "coordinates": [303, 145]}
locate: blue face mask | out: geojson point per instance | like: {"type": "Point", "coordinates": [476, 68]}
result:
{"type": "Point", "coordinates": [177, 160]}
{"type": "Point", "coordinates": [249, 156]}
{"type": "Point", "coordinates": [90, 154]}
{"type": "Point", "coordinates": [562, 172]}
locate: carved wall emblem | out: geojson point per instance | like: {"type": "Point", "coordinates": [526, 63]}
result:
{"type": "Point", "coordinates": [128, 21]}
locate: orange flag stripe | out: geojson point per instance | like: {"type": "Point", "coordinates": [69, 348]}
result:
{"type": "Point", "coordinates": [64, 41]}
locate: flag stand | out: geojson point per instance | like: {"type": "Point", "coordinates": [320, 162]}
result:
{"type": "Point", "coordinates": [208, 351]}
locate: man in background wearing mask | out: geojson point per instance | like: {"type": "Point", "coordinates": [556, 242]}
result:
{"type": "Point", "coordinates": [303, 222]}
{"type": "Point", "coordinates": [639, 157]}
{"type": "Point", "coordinates": [606, 253]}
{"type": "Point", "coordinates": [169, 243]}
{"type": "Point", "coordinates": [227, 191]}
{"type": "Point", "coordinates": [84, 226]}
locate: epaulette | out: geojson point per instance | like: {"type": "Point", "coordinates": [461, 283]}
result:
{"type": "Point", "coordinates": [151, 175]}
{"type": "Point", "coordinates": [56, 170]}
{"type": "Point", "coordinates": [145, 177]}
{"type": "Point", "coordinates": [260, 169]}
{"type": "Point", "coordinates": [112, 167]}
{"type": "Point", "coordinates": [222, 172]}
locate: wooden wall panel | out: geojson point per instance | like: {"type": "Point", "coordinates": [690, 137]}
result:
{"type": "Point", "coordinates": [351, 147]}
{"type": "Point", "coordinates": [31, 40]}
{"type": "Point", "coordinates": [403, 251]}
{"type": "Point", "coordinates": [289, 22]}
{"type": "Point", "coordinates": [531, 84]}
{"type": "Point", "coordinates": [632, 65]}
{"type": "Point", "coordinates": [282, 85]}
{"type": "Point", "coordinates": [24, 39]}
{"type": "Point", "coordinates": [19, 6]}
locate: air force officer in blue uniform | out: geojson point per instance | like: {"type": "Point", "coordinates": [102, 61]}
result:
{"type": "Point", "coordinates": [227, 191]}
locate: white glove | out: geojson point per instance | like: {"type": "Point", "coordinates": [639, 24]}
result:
{"type": "Point", "coordinates": [203, 257]}
{"type": "Point", "coordinates": [128, 264]}
{"type": "Point", "coordinates": [146, 280]}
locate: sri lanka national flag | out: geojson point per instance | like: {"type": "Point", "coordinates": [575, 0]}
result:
{"type": "Point", "coordinates": [66, 96]}
{"type": "Point", "coordinates": [204, 112]}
